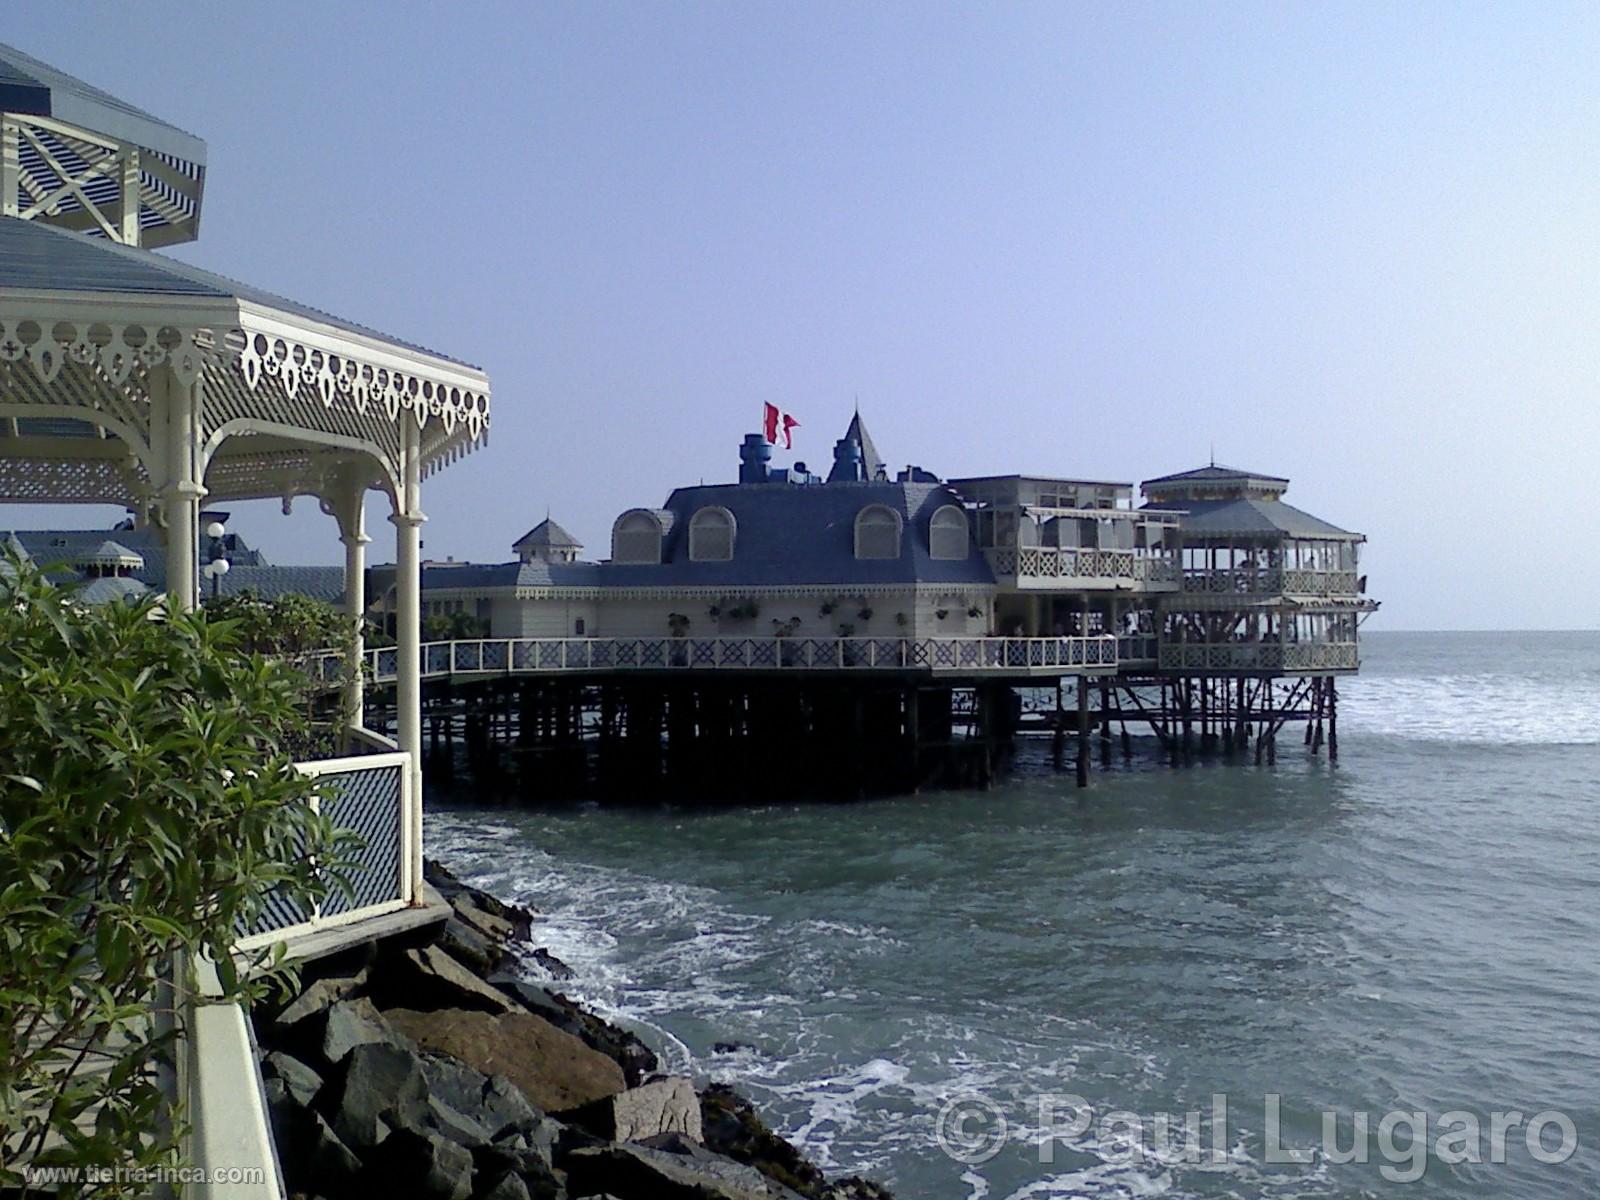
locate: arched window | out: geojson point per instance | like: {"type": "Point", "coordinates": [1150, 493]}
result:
{"type": "Point", "coordinates": [711, 535]}
{"type": "Point", "coordinates": [877, 532]}
{"type": "Point", "coordinates": [947, 533]}
{"type": "Point", "coordinates": [636, 538]}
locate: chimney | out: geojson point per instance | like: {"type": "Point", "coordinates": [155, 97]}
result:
{"type": "Point", "coordinates": [754, 455]}
{"type": "Point", "coordinates": [847, 460]}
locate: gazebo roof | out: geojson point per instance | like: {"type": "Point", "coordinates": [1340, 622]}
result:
{"type": "Point", "coordinates": [547, 533]}
{"type": "Point", "coordinates": [36, 255]}
{"type": "Point", "coordinates": [30, 86]}
{"type": "Point", "coordinates": [112, 554]}
{"type": "Point", "coordinates": [287, 386]}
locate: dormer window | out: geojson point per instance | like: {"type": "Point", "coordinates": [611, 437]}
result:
{"type": "Point", "coordinates": [711, 535]}
{"type": "Point", "coordinates": [877, 532]}
{"type": "Point", "coordinates": [636, 538]}
{"type": "Point", "coordinates": [947, 534]}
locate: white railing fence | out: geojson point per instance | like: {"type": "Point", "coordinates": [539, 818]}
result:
{"type": "Point", "coordinates": [1259, 656]}
{"type": "Point", "coordinates": [1269, 581]}
{"type": "Point", "coordinates": [1068, 562]}
{"type": "Point", "coordinates": [533, 656]}
{"type": "Point", "coordinates": [369, 795]}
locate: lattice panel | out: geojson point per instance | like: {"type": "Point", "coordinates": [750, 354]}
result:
{"type": "Point", "coordinates": [367, 802]}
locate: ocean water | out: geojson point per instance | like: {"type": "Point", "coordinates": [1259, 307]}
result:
{"type": "Point", "coordinates": [1025, 993]}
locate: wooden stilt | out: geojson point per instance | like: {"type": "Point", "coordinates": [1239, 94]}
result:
{"type": "Point", "coordinates": [1083, 731]}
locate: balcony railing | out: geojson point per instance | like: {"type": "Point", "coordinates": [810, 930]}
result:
{"type": "Point", "coordinates": [1259, 656]}
{"type": "Point", "coordinates": [370, 796]}
{"type": "Point", "coordinates": [1136, 648]}
{"type": "Point", "coordinates": [1067, 562]}
{"type": "Point", "coordinates": [1269, 581]}
{"type": "Point", "coordinates": [539, 656]}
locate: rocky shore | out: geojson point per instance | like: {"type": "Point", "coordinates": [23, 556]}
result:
{"type": "Point", "coordinates": [431, 1065]}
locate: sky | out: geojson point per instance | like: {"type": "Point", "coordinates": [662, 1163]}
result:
{"type": "Point", "coordinates": [1354, 244]}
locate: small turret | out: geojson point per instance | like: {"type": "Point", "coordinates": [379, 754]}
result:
{"type": "Point", "coordinates": [755, 455]}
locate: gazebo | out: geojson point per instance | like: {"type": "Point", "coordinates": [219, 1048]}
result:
{"type": "Point", "coordinates": [127, 377]}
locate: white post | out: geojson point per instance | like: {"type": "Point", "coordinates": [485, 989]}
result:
{"type": "Point", "coordinates": [350, 511]}
{"type": "Point", "coordinates": [408, 520]}
{"type": "Point", "coordinates": [175, 415]}
{"type": "Point", "coordinates": [129, 186]}
{"type": "Point", "coordinates": [10, 166]}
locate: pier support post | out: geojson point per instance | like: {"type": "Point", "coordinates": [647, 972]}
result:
{"type": "Point", "coordinates": [1083, 731]}
{"type": "Point", "coordinates": [1333, 718]}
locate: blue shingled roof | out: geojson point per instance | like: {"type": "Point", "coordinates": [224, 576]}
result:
{"type": "Point", "coordinates": [790, 535]}
{"type": "Point", "coordinates": [34, 255]}
{"type": "Point", "coordinates": [38, 89]}
{"type": "Point", "coordinates": [319, 583]}
{"type": "Point", "coordinates": [1248, 516]}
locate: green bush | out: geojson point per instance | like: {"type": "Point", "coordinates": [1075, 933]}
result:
{"type": "Point", "coordinates": [147, 807]}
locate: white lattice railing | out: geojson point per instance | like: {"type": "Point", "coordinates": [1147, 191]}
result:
{"type": "Point", "coordinates": [369, 795]}
{"type": "Point", "coordinates": [1270, 581]}
{"type": "Point", "coordinates": [535, 656]}
{"type": "Point", "coordinates": [1065, 562]}
{"type": "Point", "coordinates": [1259, 656]}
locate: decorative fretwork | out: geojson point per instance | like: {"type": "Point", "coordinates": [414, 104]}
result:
{"type": "Point", "coordinates": [253, 384]}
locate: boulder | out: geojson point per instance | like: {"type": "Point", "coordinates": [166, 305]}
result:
{"type": "Point", "coordinates": [507, 1185]}
{"type": "Point", "coordinates": [730, 1126]}
{"type": "Point", "coordinates": [300, 1082]}
{"type": "Point", "coordinates": [424, 1164]}
{"type": "Point", "coordinates": [429, 978]}
{"type": "Point", "coordinates": [552, 1069]}
{"type": "Point", "coordinates": [650, 1174]}
{"type": "Point", "coordinates": [490, 925]}
{"type": "Point", "coordinates": [552, 965]}
{"type": "Point", "coordinates": [636, 1059]}
{"type": "Point", "coordinates": [660, 1106]}
{"type": "Point", "coordinates": [379, 1080]}
{"type": "Point", "coordinates": [327, 1159]}
{"type": "Point", "coordinates": [352, 1023]}
{"type": "Point", "coordinates": [472, 949]}
{"type": "Point", "coordinates": [320, 995]}
{"type": "Point", "coordinates": [462, 896]}
{"type": "Point", "coordinates": [856, 1188]}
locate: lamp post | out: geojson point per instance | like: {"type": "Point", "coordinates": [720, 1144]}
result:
{"type": "Point", "coordinates": [217, 564]}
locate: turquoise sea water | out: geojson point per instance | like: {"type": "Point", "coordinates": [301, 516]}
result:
{"type": "Point", "coordinates": [1415, 929]}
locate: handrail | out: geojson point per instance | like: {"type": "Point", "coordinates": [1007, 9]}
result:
{"type": "Point", "coordinates": [535, 656]}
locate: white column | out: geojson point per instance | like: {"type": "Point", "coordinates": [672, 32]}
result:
{"type": "Point", "coordinates": [352, 515]}
{"type": "Point", "coordinates": [408, 519]}
{"type": "Point", "coordinates": [175, 416]}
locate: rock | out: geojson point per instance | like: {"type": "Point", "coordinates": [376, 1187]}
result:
{"type": "Point", "coordinates": [495, 928]}
{"type": "Point", "coordinates": [300, 1082]}
{"type": "Point", "coordinates": [556, 968]}
{"type": "Point", "coordinates": [640, 1171]}
{"type": "Point", "coordinates": [469, 947]}
{"type": "Point", "coordinates": [321, 994]}
{"type": "Point", "coordinates": [552, 1069]}
{"type": "Point", "coordinates": [528, 1163]}
{"type": "Point", "coordinates": [461, 896]}
{"type": "Point", "coordinates": [507, 1186]}
{"type": "Point", "coordinates": [636, 1059]}
{"type": "Point", "coordinates": [430, 978]}
{"type": "Point", "coordinates": [352, 1023]}
{"type": "Point", "coordinates": [327, 1159]}
{"type": "Point", "coordinates": [424, 1164]}
{"type": "Point", "coordinates": [856, 1188]}
{"type": "Point", "coordinates": [730, 1126]}
{"type": "Point", "coordinates": [461, 1128]}
{"type": "Point", "coordinates": [658, 1107]}
{"type": "Point", "coordinates": [730, 1047]}
{"type": "Point", "coordinates": [379, 1080]}
{"type": "Point", "coordinates": [505, 1107]}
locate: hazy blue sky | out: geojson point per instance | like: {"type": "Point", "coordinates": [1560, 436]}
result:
{"type": "Point", "coordinates": [1358, 245]}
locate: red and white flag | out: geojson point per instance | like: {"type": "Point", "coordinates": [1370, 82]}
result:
{"type": "Point", "coordinates": [778, 423]}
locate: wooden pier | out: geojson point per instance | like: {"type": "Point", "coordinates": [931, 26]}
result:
{"type": "Point", "coordinates": [549, 719]}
